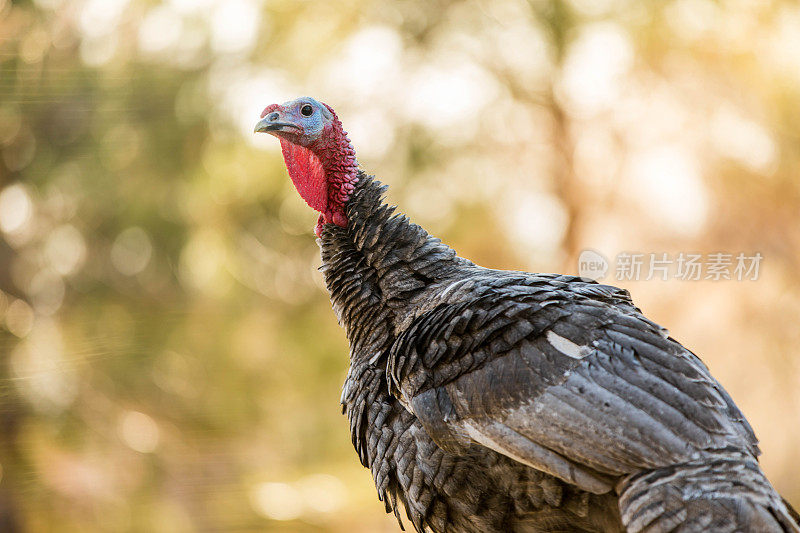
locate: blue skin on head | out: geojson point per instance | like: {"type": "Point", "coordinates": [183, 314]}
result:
{"type": "Point", "coordinates": [300, 121]}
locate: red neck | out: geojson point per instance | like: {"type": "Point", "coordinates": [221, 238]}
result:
{"type": "Point", "coordinates": [324, 173]}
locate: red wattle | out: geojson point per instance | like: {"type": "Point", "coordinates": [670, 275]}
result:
{"type": "Point", "coordinates": [339, 219]}
{"type": "Point", "coordinates": [307, 173]}
{"type": "Point", "coordinates": [320, 225]}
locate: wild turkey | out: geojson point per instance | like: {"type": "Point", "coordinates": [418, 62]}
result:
{"type": "Point", "coordinates": [497, 401]}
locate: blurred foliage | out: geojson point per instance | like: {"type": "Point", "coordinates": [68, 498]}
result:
{"type": "Point", "coordinates": [170, 361]}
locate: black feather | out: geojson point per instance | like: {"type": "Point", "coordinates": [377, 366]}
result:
{"type": "Point", "coordinates": [493, 401]}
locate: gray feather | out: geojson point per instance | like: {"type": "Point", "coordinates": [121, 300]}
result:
{"type": "Point", "coordinates": [491, 401]}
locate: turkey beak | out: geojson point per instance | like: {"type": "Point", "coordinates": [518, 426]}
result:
{"type": "Point", "coordinates": [271, 123]}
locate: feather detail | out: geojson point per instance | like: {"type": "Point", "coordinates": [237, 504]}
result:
{"type": "Point", "coordinates": [491, 401]}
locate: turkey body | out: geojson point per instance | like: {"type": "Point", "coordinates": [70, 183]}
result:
{"type": "Point", "coordinates": [497, 401]}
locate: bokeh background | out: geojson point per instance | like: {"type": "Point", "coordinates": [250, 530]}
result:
{"type": "Point", "coordinates": [168, 358]}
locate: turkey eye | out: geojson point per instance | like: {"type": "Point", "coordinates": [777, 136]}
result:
{"type": "Point", "coordinates": [306, 110]}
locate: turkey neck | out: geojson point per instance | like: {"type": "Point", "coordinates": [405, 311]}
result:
{"type": "Point", "coordinates": [379, 268]}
